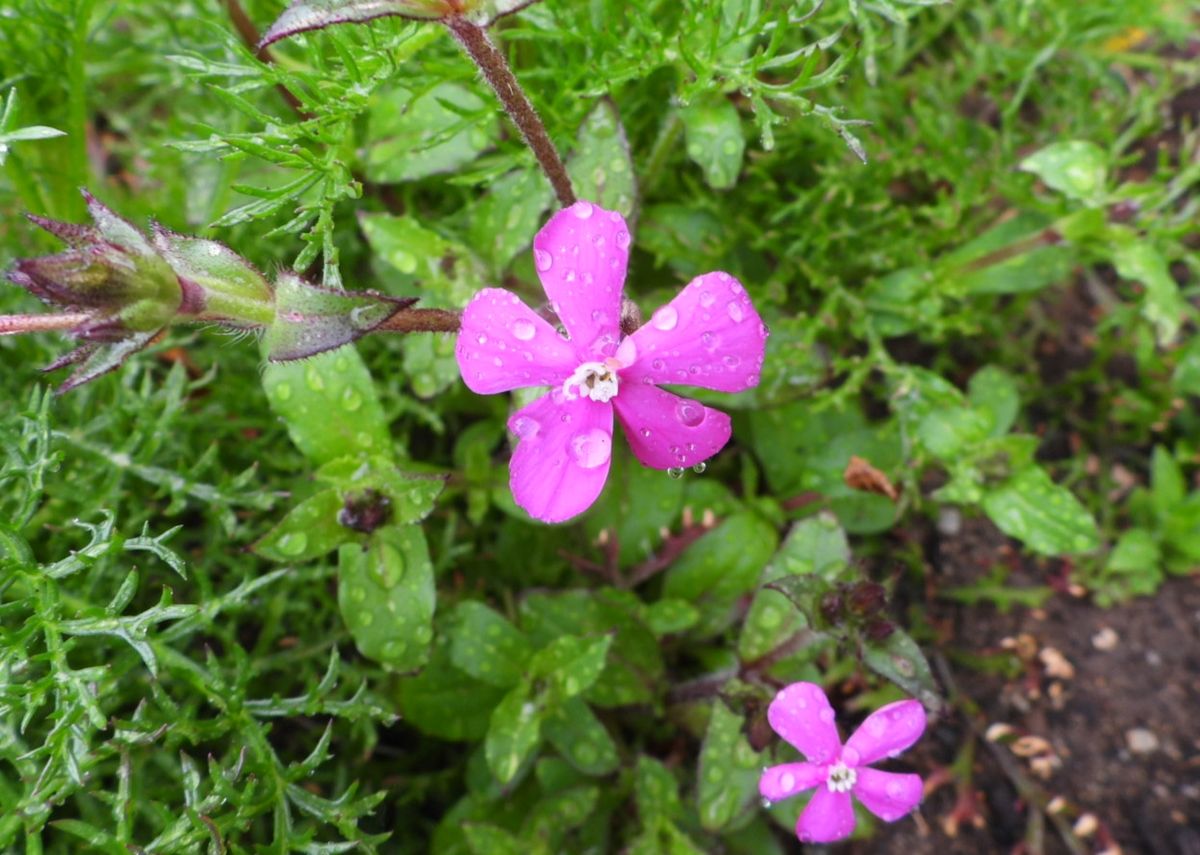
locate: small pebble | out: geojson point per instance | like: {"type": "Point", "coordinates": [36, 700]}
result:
{"type": "Point", "coordinates": [1106, 639]}
{"type": "Point", "coordinates": [1056, 664]}
{"type": "Point", "coordinates": [1141, 741]}
{"type": "Point", "coordinates": [1153, 659]}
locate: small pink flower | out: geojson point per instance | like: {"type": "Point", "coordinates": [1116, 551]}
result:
{"type": "Point", "coordinates": [801, 714]}
{"type": "Point", "coordinates": [708, 336]}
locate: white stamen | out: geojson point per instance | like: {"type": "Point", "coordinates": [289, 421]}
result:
{"type": "Point", "coordinates": [594, 380]}
{"type": "Point", "coordinates": [841, 778]}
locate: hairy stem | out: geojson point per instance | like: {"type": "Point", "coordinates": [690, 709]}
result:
{"type": "Point", "coordinates": [422, 320]}
{"type": "Point", "coordinates": [17, 324]}
{"type": "Point", "coordinates": [491, 62]}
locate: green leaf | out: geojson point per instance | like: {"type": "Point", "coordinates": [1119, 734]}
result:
{"type": "Point", "coordinates": [636, 505]}
{"type": "Point", "coordinates": [668, 617]}
{"type": "Point", "coordinates": [329, 405]}
{"type": "Point", "coordinates": [1137, 553]}
{"type": "Point", "coordinates": [1043, 515]}
{"type": "Point", "coordinates": [715, 141]}
{"type": "Point", "coordinates": [483, 839]}
{"type": "Point", "coordinates": [1187, 370]}
{"type": "Point", "coordinates": [728, 772]}
{"type": "Point", "coordinates": [442, 271]}
{"type": "Point", "coordinates": [948, 433]}
{"type": "Point", "coordinates": [504, 222]}
{"type": "Point", "coordinates": [386, 596]}
{"type": "Point", "coordinates": [514, 733]}
{"type": "Point", "coordinates": [720, 568]}
{"type": "Point", "coordinates": [898, 658]}
{"type": "Point", "coordinates": [437, 131]}
{"type": "Point", "coordinates": [310, 530]}
{"type": "Point", "coordinates": [559, 813]}
{"type": "Point", "coordinates": [1168, 486]}
{"type": "Point", "coordinates": [1076, 168]}
{"type": "Point", "coordinates": [486, 646]}
{"type": "Point", "coordinates": [601, 167]}
{"type": "Point", "coordinates": [576, 733]}
{"type": "Point", "coordinates": [815, 547]}
{"type": "Point", "coordinates": [1163, 305]}
{"type": "Point", "coordinates": [444, 702]}
{"type": "Point", "coordinates": [570, 665]}
{"type": "Point", "coordinates": [993, 391]}
{"type": "Point", "coordinates": [655, 790]}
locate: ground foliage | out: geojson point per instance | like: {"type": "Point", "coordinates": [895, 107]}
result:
{"type": "Point", "coordinates": [204, 646]}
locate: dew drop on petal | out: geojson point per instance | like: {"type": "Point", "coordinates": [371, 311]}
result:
{"type": "Point", "coordinates": [591, 448]}
{"type": "Point", "coordinates": [826, 715]}
{"type": "Point", "coordinates": [665, 318]}
{"type": "Point", "coordinates": [707, 299]}
{"type": "Point", "coordinates": [675, 473]}
{"type": "Point", "coordinates": [525, 427]}
{"type": "Point", "coordinates": [482, 339]}
{"type": "Point", "coordinates": [699, 468]}
{"type": "Point", "coordinates": [645, 432]}
{"type": "Point", "coordinates": [735, 311]}
{"type": "Point", "coordinates": [623, 239]}
{"type": "Point", "coordinates": [850, 757]}
{"type": "Point", "coordinates": [543, 260]}
{"type": "Point", "coordinates": [658, 365]}
{"type": "Point", "coordinates": [627, 352]}
{"type": "Point", "coordinates": [583, 210]}
{"type": "Point", "coordinates": [895, 790]}
{"type": "Point", "coordinates": [690, 413]}
{"type": "Point", "coordinates": [523, 329]}
{"type": "Point", "coordinates": [787, 781]}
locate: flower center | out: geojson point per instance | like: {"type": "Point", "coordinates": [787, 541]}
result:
{"type": "Point", "coordinates": [595, 380]}
{"type": "Point", "coordinates": [841, 778]}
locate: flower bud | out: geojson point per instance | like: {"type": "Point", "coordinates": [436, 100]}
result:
{"type": "Point", "coordinates": [867, 599]}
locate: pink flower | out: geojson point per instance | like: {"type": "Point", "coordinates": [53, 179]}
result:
{"type": "Point", "coordinates": [801, 714]}
{"type": "Point", "coordinates": [708, 336]}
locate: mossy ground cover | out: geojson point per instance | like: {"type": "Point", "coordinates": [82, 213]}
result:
{"type": "Point", "coordinates": [971, 229]}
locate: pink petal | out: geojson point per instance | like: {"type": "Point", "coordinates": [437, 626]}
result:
{"type": "Point", "coordinates": [885, 733]}
{"type": "Point", "coordinates": [787, 779]}
{"type": "Point", "coordinates": [581, 256]}
{"type": "Point", "coordinates": [667, 431]}
{"type": "Point", "coordinates": [560, 465]}
{"type": "Point", "coordinates": [801, 714]}
{"type": "Point", "coordinates": [828, 817]}
{"type": "Point", "coordinates": [710, 335]}
{"type": "Point", "coordinates": [888, 795]}
{"type": "Point", "coordinates": [503, 345]}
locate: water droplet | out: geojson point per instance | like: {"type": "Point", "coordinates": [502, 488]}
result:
{"type": "Point", "coordinates": [665, 318]}
{"type": "Point", "coordinates": [706, 338]}
{"type": "Point", "coordinates": [623, 239]}
{"type": "Point", "coordinates": [598, 317]}
{"type": "Point", "coordinates": [675, 473]}
{"type": "Point", "coordinates": [826, 715]}
{"type": "Point", "coordinates": [482, 339]}
{"type": "Point", "coordinates": [787, 781]}
{"type": "Point", "coordinates": [543, 260]}
{"type": "Point", "coordinates": [700, 468]}
{"type": "Point", "coordinates": [707, 299]}
{"type": "Point", "coordinates": [895, 790]}
{"type": "Point", "coordinates": [293, 543]}
{"type": "Point", "coordinates": [351, 399]}
{"type": "Point", "coordinates": [498, 362]}
{"type": "Point", "coordinates": [583, 210]}
{"type": "Point", "coordinates": [283, 392]}
{"type": "Point", "coordinates": [735, 311]}
{"type": "Point", "coordinates": [592, 448]}
{"type": "Point", "coordinates": [525, 427]}
{"type": "Point", "coordinates": [645, 432]}
{"type": "Point", "coordinates": [730, 360]}
{"type": "Point", "coordinates": [690, 413]}
{"type": "Point", "coordinates": [523, 330]}
{"type": "Point", "coordinates": [658, 365]}
{"type": "Point", "coordinates": [315, 381]}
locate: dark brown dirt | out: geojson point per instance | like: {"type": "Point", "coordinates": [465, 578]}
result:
{"type": "Point", "coordinates": [1108, 700]}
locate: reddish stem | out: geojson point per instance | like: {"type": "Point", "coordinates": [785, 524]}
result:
{"type": "Point", "coordinates": [496, 72]}
{"type": "Point", "coordinates": [17, 324]}
{"type": "Point", "coordinates": [422, 320]}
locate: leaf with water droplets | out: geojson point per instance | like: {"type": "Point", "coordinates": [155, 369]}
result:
{"type": "Point", "coordinates": [1162, 304]}
{"type": "Point", "coordinates": [443, 701]}
{"type": "Point", "coordinates": [581, 738]}
{"type": "Point", "coordinates": [601, 167]}
{"type": "Point", "coordinates": [993, 392]}
{"type": "Point", "coordinates": [635, 507]}
{"type": "Point", "coordinates": [514, 733]}
{"type": "Point", "coordinates": [712, 128]}
{"type": "Point", "coordinates": [898, 658]}
{"type": "Point", "coordinates": [504, 222]}
{"type": "Point", "coordinates": [309, 530]}
{"type": "Point", "coordinates": [720, 568]}
{"type": "Point", "coordinates": [727, 775]}
{"type": "Point", "coordinates": [415, 135]}
{"type": "Point", "coordinates": [1075, 168]}
{"type": "Point", "coordinates": [329, 405]}
{"type": "Point", "coordinates": [570, 665]}
{"type": "Point", "coordinates": [1043, 515]}
{"type": "Point", "coordinates": [487, 646]}
{"type": "Point", "coordinates": [386, 595]}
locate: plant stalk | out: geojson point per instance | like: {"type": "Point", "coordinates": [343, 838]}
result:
{"type": "Point", "coordinates": [496, 71]}
{"type": "Point", "coordinates": [17, 324]}
{"type": "Point", "coordinates": [422, 320]}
